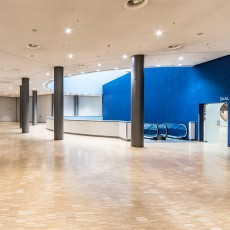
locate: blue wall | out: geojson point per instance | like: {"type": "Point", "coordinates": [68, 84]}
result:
{"type": "Point", "coordinates": [172, 94]}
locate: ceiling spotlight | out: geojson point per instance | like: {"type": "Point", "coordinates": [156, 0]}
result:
{"type": "Point", "coordinates": [125, 56]}
{"type": "Point", "coordinates": [181, 58]}
{"type": "Point", "coordinates": [33, 88]}
{"type": "Point", "coordinates": [158, 65]}
{"type": "Point", "coordinates": [30, 82]}
{"type": "Point", "coordinates": [82, 72]}
{"type": "Point", "coordinates": [179, 64]}
{"type": "Point", "coordinates": [98, 70]}
{"type": "Point", "coordinates": [99, 64]}
{"type": "Point", "coordinates": [10, 87]}
{"type": "Point", "coordinates": [70, 56]}
{"type": "Point", "coordinates": [47, 74]}
{"type": "Point", "coordinates": [116, 68]}
{"type": "Point", "coordinates": [159, 33]}
{"type": "Point", "coordinates": [68, 30]}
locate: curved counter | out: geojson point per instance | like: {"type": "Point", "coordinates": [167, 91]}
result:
{"type": "Point", "coordinates": [102, 128]}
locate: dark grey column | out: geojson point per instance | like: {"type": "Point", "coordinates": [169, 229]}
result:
{"type": "Point", "coordinates": [58, 103]}
{"type": "Point", "coordinates": [20, 116]}
{"type": "Point", "coordinates": [201, 123]}
{"type": "Point", "coordinates": [34, 108]}
{"type": "Point", "coordinates": [52, 105]}
{"type": "Point", "coordinates": [25, 105]}
{"type": "Point", "coordinates": [137, 104]}
{"type": "Point", "coordinates": [75, 105]}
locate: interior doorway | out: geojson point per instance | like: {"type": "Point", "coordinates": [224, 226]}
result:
{"type": "Point", "coordinates": [216, 123]}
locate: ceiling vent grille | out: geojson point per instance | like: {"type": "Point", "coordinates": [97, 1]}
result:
{"type": "Point", "coordinates": [135, 4]}
{"type": "Point", "coordinates": [174, 47]}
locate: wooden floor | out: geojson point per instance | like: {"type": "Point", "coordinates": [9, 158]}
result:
{"type": "Point", "coordinates": [94, 183]}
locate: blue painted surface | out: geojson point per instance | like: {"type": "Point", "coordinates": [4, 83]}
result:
{"type": "Point", "coordinates": [172, 94]}
{"type": "Point", "coordinates": [116, 99]}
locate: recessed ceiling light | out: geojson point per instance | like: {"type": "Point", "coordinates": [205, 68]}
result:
{"type": "Point", "coordinates": [181, 58]}
{"type": "Point", "coordinates": [159, 33]}
{"type": "Point", "coordinates": [179, 64]}
{"type": "Point", "coordinates": [116, 68]}
{"type": "Point", "coordinates": [158, 65]}
{"type": "Point", "coordinates": [68, 30]}
{"type": "Point", "coordinates": [70, 56]}
{"type": "Point", "coordinates": [10, 87]}
{"type": "Point", "coordinates": [30, 82]}
{"type": "Point", "coordinates": [99, 64]}
{"type": "Point", "coordinates": [47, 74]}
{"type": "Point", "coordinates": [125, 56]}
{"type": "Point", "coordinates": [82, 72]}
{"type": "Point", "coordinates": [33, 46]}
{"type": "Point", "coordinates": [98, 70]}
{"type": "Point", "coordinates": [33, 88]}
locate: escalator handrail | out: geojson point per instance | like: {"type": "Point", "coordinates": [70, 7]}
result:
{"type": "Point", "coordinates": [157, 130]}
{"type": "Point", "coordinates": [166, 130]}
{"type": "Point", "coordinates": [183, 136]}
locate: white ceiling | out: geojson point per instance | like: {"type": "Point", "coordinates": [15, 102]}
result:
{"type": "Point", "coordinates": [103, 31]}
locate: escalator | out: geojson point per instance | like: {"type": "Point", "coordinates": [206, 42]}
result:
{"type": "Point", "coordinates": [161, 131]}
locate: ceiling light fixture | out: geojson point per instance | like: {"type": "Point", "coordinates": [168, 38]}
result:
{"type": "Point", "coordinates": [158, 65]}
{"type": "Point", "coordinates": [181, 58]}
{"type": "Point", "coordinates": [179, 64]}
{"type": "Point", "coordinates": [99, 64]}
{"type": "Point", "coordinates": [125, 56]}
{"type": "Point", "coordinates": [47, 74]}
{"type": "Point", "coordinates": [70, 56]}
{"type": "Point", "coordinates": [68, 30]}
{"type": "Point", "coordinates": [158, 33]}
{"type": "Point", "coordinates": [98, 70]}
{"type": "Point", "coordinates": [82, 72]}
{"type": "Point", "coordinates": [116, 68]}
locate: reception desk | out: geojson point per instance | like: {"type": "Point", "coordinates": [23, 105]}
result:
{"type": "Point", "coordinates": [102, 128]}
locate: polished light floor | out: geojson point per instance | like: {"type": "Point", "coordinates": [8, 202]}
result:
{"type": "Point", "coordinates": [92, 183]}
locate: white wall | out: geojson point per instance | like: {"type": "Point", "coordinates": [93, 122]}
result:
{"type": "Point", "coordinates": [69, 105]}
{"type": "Point", "coordinates": [8, 109]}
{"type": "Point", "coordinates": [89, 106]}
{"type": "Point", "coordinates": [44, 107]}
